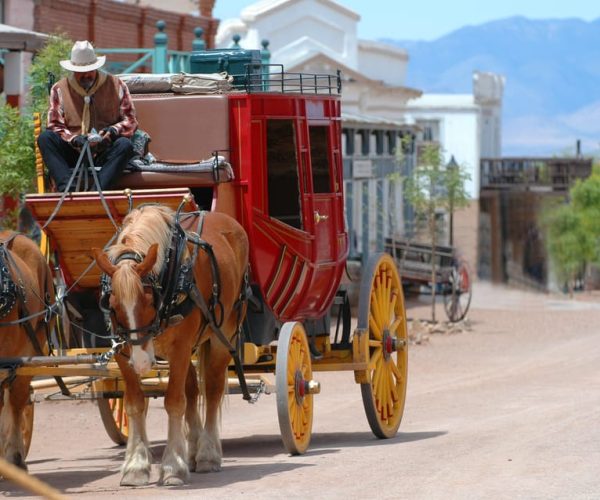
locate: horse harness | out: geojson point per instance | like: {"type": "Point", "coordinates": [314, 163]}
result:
{"type": "Point", "coordinates": [175, 293]}
{"type": "Point", "coordinates": [12, 294]}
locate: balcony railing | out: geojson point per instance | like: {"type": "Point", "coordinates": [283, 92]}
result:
{"type": "Point", "coordinates": [541, 174]}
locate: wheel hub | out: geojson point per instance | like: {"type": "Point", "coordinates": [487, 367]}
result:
{"type": "Point", "coordinates": [299, 386]}
{"type": "Point", "coordinates": [390, 344]}
{"type": "Point", "coordinates": [302, 387]}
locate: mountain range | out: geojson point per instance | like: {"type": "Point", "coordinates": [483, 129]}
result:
{"type": "Point", "coordinates": [552, 71]}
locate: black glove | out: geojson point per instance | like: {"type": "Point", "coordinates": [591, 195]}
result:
{"type": "Point", "coordinates": [78, 141]}
{"type": "Point", "coordinates": [111, 133]}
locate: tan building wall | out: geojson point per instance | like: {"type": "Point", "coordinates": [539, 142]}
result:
{"type": "Point", "coordinates": [466, 223]}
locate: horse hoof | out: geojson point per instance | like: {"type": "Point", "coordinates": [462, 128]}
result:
{"type": "Point", "coordinates": [173, 481]}
{"type": "Point", "coordinates": [17, 460]}
{"type": "Point", "coordinates": [206, 466]}
{"type": "Point", "coordinates": [137, 478]}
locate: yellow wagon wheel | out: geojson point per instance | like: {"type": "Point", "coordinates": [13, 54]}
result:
{"type": "Point", "coordinates": [295, 388]}
{"type": "Point", "coordinates": [113, 412]}
{"type": "Point", "coordinates": [382, 314]}
{"type": "Point", "coordinates": [27, 427]}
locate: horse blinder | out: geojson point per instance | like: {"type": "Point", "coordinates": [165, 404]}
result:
{"type": "Point", "coordinates": [153, 328]}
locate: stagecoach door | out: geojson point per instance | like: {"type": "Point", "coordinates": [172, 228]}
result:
{"type": "Point", "coordinates": [321, 199]}
{"type": "Point", "coordinates": [297, 252]}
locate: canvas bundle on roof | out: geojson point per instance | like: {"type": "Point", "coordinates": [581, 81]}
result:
{"type": "Point", "coordinates": [180, 83]}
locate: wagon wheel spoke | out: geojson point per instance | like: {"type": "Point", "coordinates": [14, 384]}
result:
{"type": "Point", "coordinates": [293, 371]}
{"type": "Point", "coordinates": [381, 313]}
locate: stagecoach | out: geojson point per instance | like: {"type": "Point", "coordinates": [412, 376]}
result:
{"type": "Point", "coordinates": [267, 152]}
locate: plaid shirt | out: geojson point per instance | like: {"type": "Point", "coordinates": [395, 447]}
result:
{"type": "Point", "coordinates": [56, 114]}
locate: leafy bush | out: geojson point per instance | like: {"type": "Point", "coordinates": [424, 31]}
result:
{"type": "Point", "coordinates": [17, 155]}
{"type": "Point", "coordinates": [17, 152]}
{"type": "Point", "coordinates": [573, 230]}
{"type": "Point", "coordinates": [44, 65]}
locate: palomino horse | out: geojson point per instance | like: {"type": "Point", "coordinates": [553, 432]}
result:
{"type": "Point", "coordinates": [26, 290]}
{"type": "Point", "coordinates": [140, 275]}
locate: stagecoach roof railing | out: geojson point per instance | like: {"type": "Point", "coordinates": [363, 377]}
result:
{"type": "Point", "coordinates": [273, 78]}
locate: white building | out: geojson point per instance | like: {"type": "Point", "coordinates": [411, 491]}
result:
{"type": "Point", "coordinates": [468, 126]}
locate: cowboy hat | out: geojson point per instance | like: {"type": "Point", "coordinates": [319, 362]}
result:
{"type": "Point", "coordinates": [83, 58]}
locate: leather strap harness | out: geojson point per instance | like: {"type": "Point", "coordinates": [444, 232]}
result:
{"type": "Point", "coordinates": [12, 293]}
{"type": "Point", "coordinates": [176, 293]}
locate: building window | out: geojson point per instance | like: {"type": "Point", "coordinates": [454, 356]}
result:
{"type": "Point", "coordinates": [319, 159]}
{"type": "Point", "coordinates": [282, 170]}
{"type": "Point", "coordinates": [2, 11]}
{"type": "Point", "coordinates": [430, 130]}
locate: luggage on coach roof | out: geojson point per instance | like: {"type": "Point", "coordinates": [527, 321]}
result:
{"type": "Point", "coordinates": [236, 62]}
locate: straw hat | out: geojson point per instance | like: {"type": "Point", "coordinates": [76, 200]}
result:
{"type": "Point", "coordinates": [83, 58]}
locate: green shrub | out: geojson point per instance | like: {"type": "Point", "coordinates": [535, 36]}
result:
{"type": "Point", "coordinates": [44, 64]}
{"type": "Point", "coordinates": [17, 155]}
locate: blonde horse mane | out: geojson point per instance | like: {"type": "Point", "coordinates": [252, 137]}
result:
{"type": "Point", "coordinates": [142, 228]}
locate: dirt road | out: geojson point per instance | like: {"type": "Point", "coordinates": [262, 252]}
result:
{"type": "Point", "coordinates": [510, 409]}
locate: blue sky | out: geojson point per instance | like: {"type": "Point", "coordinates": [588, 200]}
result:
{"type": "Point", "coordinates": [428, 20]}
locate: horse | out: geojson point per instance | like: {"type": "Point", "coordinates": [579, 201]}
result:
{"type": "Point", "coordinates": [26, 294]}
{"type": "Point", "coordinates": [136, 303]}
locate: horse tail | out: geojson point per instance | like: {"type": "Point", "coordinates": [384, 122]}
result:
{"type": "Point", "coordinates": [203, 356]}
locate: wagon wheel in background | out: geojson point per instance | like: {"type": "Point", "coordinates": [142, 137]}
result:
{"type": "Point", "coordinates": [382, 314]}
{"type": "Point", "coordinates": [27, 426]}
{"type": "Point", "coordinates": [294, 387]}
{"type": "Point", "coordinates": [458, 299]}
{"type": "Point", "coordinates": [112, 411]}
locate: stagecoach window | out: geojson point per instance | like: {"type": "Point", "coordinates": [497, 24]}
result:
{"type": "Point", "coordinates": [319, 154]}
{"type": "Point", "coordinates": [282, 169]}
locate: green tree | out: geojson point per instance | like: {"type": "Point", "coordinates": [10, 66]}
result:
{"type": "Point", "coordinates": [573, 230]}
{"type": "Point", "coordinates": [17, 151]}
{"type": "Point", "coordinates": [568, 243]}
{"type": "Point", "coordinates": [434, 187]}
{"type": "Point", "coordinates": [46, 65]}
{"type": "Point", "coordinates": [17, 155]}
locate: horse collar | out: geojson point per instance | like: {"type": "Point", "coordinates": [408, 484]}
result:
{"type": "Point", "coordinates": [136, 256]}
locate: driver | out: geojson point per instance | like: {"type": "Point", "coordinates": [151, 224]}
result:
{"type": "Point", "coordinates": [85, 102]}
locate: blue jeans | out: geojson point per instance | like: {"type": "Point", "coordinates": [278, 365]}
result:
{"type": "Point", "coordinates": [60, 158]}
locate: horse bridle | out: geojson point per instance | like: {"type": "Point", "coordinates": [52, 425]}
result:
{"type": "Point", "coordinates": [153, 328]}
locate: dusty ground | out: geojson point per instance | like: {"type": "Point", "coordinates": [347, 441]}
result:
{"type": "Point", "coordinates": [510, 409]}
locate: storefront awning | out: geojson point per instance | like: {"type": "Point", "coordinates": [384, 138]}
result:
{"type": "Point", "coordinates": [12, 38]}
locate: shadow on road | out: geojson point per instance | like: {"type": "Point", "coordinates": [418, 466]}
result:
{"type": "Point", "coordinates": [236, 468]}
{"type": "Point", "coordinates": [63, 479]}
